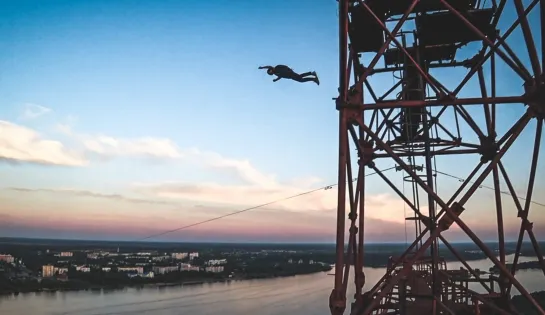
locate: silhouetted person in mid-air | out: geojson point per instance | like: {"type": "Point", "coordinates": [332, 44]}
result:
{"type": "Point", "coordinates": [285, 72]}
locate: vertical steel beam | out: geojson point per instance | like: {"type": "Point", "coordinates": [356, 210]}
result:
{"type": "Point", "coordinates": [337, 300]}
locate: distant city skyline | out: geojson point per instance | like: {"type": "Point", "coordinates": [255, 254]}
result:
{"type": "Point", "coordinates": [120, 120]}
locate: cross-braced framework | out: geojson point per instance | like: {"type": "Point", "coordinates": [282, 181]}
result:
{"type": "Point", "coordinates": [423, 45]}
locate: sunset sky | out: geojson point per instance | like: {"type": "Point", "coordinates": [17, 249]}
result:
{"type": "Point", "coordinates": [121, 119]}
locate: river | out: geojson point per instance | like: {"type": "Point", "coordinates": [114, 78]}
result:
{"type": "Point", "coordinates": [301, 294]}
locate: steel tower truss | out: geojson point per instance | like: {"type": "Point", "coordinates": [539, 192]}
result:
{"type": "Point", "coordinates": [399, 125]}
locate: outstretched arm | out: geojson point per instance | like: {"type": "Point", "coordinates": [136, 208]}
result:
{"type": "Point", "coordinates": [265, 67]}
{"type": "Point", "coordinates": [277, 78]}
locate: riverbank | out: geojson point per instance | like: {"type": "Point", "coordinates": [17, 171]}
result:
{"type": "Point", "coordinates": [112, 287]}
{"type": "Point", "coordinates": [52, 285]}
{"type": "Point", "coordinates": [527, 265]}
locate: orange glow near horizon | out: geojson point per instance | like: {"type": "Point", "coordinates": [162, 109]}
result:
{"type": "Point", "coordinates": [87, 215]}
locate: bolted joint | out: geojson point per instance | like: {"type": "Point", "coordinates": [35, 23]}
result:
{"type": "Point", "coordinates": [528, 226]}
{"type": "Point", "coordinates": [346, 106]}
{"type": "Point", "coordinates": [471, 62]}
{"type": "Point", "coordinates": [353, 117]}
{"type": "Point", "coordinates": [337, 302]}
{"type": "Point", "coordinates": [353, 230]}
{"type": "Point", "coordinates": [339, 104]}
{"type": "Point", "coordinates": [535, 93]}
{"type": "Point", "coordinates": [457, 141]}
{"type": "Point", "coordinates": [503, 279]}
{"type": "Point", "coordinates": [488, 149]}
{"type": "Point", "coordinates": [446, 221]}
{"type": "Point", "coordinates": [360, 279]}
{"type": "Point", "coordinates": [360, 70]}
{"type": "Point", "coordinates": [354, 95]}
{"type": "Point", "coordinates": [352, 215]}
{"type": "Point", "coordinates": [389, 123]}
{"type": "Point", "coordinates": [367, 153]}
{"type": "Point", "coordinates": [426, 221]}
{"type": "Point", "coordinates": [446, 97]}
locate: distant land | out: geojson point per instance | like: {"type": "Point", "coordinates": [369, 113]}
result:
{"type": "Point", "coordinates": [520, 266]}
{"type": "Point", "coordinates": [30, 265]}
{"type": "Point", "coordinates": [376, 254]}
{"type": "Point", "coordinates": [33, 265]}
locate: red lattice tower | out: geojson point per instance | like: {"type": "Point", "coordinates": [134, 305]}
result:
{"type": "Point", "coordinates": [418, 42]}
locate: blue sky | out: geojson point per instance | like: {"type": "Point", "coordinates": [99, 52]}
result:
{"type": "Point", "coordinates": [175, 86]}
{"type": "Point", "coordinates": [175, 70]}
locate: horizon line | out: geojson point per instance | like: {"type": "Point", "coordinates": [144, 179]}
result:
{"type": "Point", "coordinates": [2, 238]}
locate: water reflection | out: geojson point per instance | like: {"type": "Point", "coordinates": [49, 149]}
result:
{"type": "Point", "coordinates": [303, 294]}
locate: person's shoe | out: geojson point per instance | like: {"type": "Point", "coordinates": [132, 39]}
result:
{"type": "Point", "coordinates": [313, 73]}
{"type": "Point", "coordinates": [317, 80]}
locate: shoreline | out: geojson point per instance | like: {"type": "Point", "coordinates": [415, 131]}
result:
{"type": "Point", "coordinates": [119, 287]}
{"type": "Point", "coordinates": [91, 287]}
{"type": "Point", "coordinates": [148, 285]}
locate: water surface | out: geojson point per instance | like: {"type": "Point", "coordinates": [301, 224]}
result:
{"type": "Point", "coordinates": [306, 294]}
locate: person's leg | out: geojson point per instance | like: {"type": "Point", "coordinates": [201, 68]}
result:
{"type": "Point", "coordinates": [306, 74]}
{"type": "Point", "coordinates": [300, 78]}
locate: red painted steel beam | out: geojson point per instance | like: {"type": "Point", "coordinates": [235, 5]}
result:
{"type": "Point", "coordinates": [382, 125]}
{"type": "Point", "coordinates": [459, 101]}
{"type": "Point", "coordinates": [337, 299]}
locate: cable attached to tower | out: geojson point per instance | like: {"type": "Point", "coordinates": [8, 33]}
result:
{"type": "Point", "coordinates": [251, 208]}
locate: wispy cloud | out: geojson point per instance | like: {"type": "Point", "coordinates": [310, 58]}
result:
{"type": "Point", "coordinates": [33, 111]}
{"type": "Point", "coordinates": [21, 144]}
{"type": "Point", "coordinates": [147, 146]}
{"type": "Point", "coordinates": [86, 193]}
{"type": "Point", "coordinates": [243, 169]}
{"type": "Point", "coordinates": [109, 146]}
